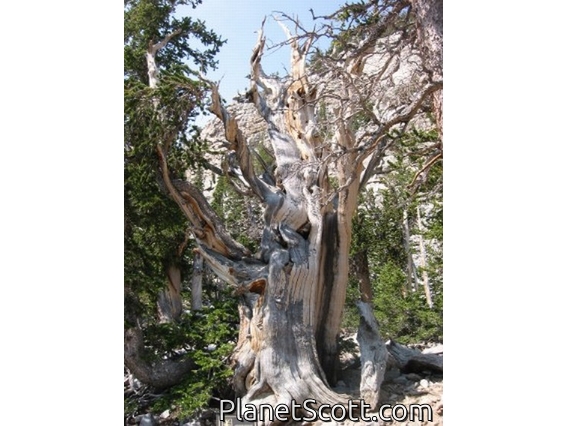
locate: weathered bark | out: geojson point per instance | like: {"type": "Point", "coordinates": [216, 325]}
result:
{"type": "Point", "coordinates": [169, 300]}
{"type": "Point", "coordinates": [292, 305]}
{"type": "Point", "coordinates": [287, 346]}
{"type": "Point", "coordinates": [289, 328]}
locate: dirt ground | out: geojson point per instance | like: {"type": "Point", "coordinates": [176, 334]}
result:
{"type": "Point", "coordinates": [405, 389]}
{"type": "Point", "coordinates": [423, 387]}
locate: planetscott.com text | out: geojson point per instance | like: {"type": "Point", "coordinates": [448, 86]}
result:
{"type": "Point", "coordinates": [309, 410]}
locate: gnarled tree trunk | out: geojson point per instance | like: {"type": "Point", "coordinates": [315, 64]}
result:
{"type": "Point", "coordinates": [292, 293]}
{"type": "Point", "coordinates": [287, 348]}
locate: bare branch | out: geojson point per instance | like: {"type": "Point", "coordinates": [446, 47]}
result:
{"type": "Point", "coordinates": [425, 169]}
{"type": "Point", "coordinates": [238, 143]}
{"type": "Point", "coordinates": [404, 116]}
{"type": "Point", "coordinates": [151, 57]}
{"type": "Point", "coordinates": [153, 48]}
{"type": "Point", "coordinates": [271, 87]}
{"type": "Point", "coordinates": [367, 46]}
{"type": "Point", "coordinates": [239, 275]}
{"type": "Point", "coordinates": [206, 226]}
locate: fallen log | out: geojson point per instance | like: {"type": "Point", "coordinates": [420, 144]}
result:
{"type": "Point", "coordinates": [413, 361]}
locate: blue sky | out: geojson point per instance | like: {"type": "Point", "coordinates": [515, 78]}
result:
{"type": "Point", "coordinates": [238, 22]}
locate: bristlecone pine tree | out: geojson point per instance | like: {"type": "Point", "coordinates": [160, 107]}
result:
{"type": "Point", "coordinates": [292, 292]}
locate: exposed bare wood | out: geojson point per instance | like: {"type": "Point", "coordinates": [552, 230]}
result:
{"type": "Point", "coordinates": [153, 48]}
{"type": "Point", "coordinates": [238, 274]}
{"type": "Point", "coordinates": [206, 226]}
{"type": "Point", "coordinates": [300, 198]}
{"type": "Point", "coordinates": [373, 355]}
{"type": "Point", "coordinates": [169, 300]}
{"type": "Point", "coordinates": [238, 143]}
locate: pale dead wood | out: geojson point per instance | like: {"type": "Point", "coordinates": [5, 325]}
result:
{"type": "Point", "coordinates": [373, 355]}
{"type": "Point", "coordinates": [153, 49]}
